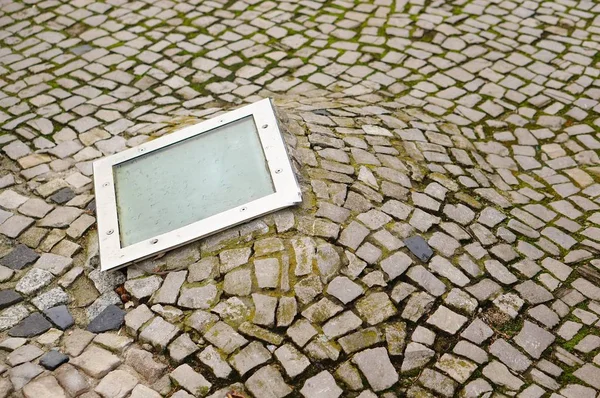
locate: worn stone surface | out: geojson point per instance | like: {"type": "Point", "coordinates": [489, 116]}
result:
{"type": "Point", "coordinates": [268, 382]}
{"type": "Point", "coordinates": [254, 354]}
{"type": "Point", "coordinates": [53, 359]}
{"type": "Point", "coordinates": [136, 318]}
{"type": "Point", "coordinates": [211, 357]}
{"type": "Point", "coordinates": [225, 337]}
{"type": "Point", "coordinates": [141, 391]}
{"type": "Point", "coordinates": [71, 380]}
{"type": "Point", "coordinates": [77, 341]}
{"type": "Point", "coordinates": [437, 382]}
{"type": "Point", "coordinates": [113, 342]}
{"type": "Point", "coordinates": [23, 354]}
{"type": "Point", "coordinates": [35, 324]}
{"type": "Point", "coordinates": [499, 374]}
{"type": "Point", "coordinates": [44, 386]}
{"type": "Point", "coordinates": [192, 381]}
{"type": "Point", "coordinates": [456, 367]}
{"type": "Point", "coordinates": [321, 386]}
{"type": "Point", "coordinates": [33, 281]}
{"type": "Point", "coordinates": [468, 127]}
{"type": "Point", "coordinates": [21, 375]}
{"type": "Point", "coordinates": [96, 362]}
{"type": "Point", "coordinates": [60, 317]}
{"type": "Point", "coordinates": [169, 290]}
{"type": "Point", "coordinates": [111, 318]}
{"type": "Point", "coordinates": [8, 298]}
{"type": "Point", "coordinates": [143, 287]}
{"type": "Point", "coordinates": [534, 339]}
{"type": "Point", "coordinates": [51, 298]}
{"type": "Point", "coordinates": [589, 373]}
{"type": "Point", "coordinates": [419, 247]}
{"type": "Point", "coordinates": [117, 384]}
{"type": "Point", "coordinates": [182, 347]}
{"type": "Point", "coordinates": [159, 333]}
{"type": "Point", "coordinates": [509, 355]}
{"type": "Point", "coordinates": [145, 365]}
{"type": "Point", "coordinates": [203, 297]}
{"type": "Point", "coordinates": [54, 263]}
{"type": "Point", "coordinates": [20, 257]}
{"type": "Point", "coordinates": [292, 360]}
{"type": "Point", "coordinates": [376, 366]}
{"type": "Point", "coordinates": [446, 320]}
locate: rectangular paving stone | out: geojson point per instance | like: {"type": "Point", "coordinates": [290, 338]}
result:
{"type": "Point", "coordinates": [159, 333]}
{"type": "Point", "coordinates": [534, 339]}
{"type": "Point", "coordinates": [20, 257]}
{"type": "Point", "coordinates": [191, 380]}
{"type": "Point", "coordinates": [589, 374]}
{"type": "Point", "coordinates": [509, 355]}
{"type": "Point", "coordinates": [225, 337]}
{"type": "Point", "coordinates": [96, 362]}
{"type": "Point", "coordinates": [446, 320]}
{"type": "Point", "coordinates": [251, 356]}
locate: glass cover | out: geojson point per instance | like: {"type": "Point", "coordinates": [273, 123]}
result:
{"type": "Point", "coordinates": [191, 180]}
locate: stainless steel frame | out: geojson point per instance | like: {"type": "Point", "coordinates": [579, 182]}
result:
{"type": "Point", "coordinates": [287, 191]}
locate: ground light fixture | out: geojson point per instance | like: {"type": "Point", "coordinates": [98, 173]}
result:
{"type": "Point", "coordinates": [192, 183]}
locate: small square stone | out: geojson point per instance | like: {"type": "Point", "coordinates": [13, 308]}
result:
{"type": "Point", "coordinates": [159, 333]}
{"type": "Point", "coordinates": [14, 226]}
{"type": "Point", "coordinates": [534, 339]}
{"type": "Point", "coordinates": [53, 359]}
{"type": "Point", "coordinates": [20, 257]}
{"type": "Point", "coordinates": [267, 272]}
{"type": "Point", "coordinates": [419, 247]}
{"type": "Point", "coordinates": [182, 347]}
{"type": "Point", "coordinates": [10, 199]}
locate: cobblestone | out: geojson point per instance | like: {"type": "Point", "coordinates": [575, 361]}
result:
{"type": "Point", "coordinates": [159, 333]}
{"type": "Point", "coordinates": [96, 362]}
{"type": "Point", "coordinates": [192, 381]}
{"type": "Point", "coordinates": [377, 368]}
{"type": "Point", "coordinates": [447, 153]}
{"type": "Point", "coordinates": [321, 386]}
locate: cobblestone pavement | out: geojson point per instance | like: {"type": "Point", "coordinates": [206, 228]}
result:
{"type": "Point", "coordinates": [448, 238]}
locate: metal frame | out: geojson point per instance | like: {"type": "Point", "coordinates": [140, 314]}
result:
{"type": "Point", "coordinates": [287, 191]}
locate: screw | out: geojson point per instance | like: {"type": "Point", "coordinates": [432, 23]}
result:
{"type": "Point", "coordinates": [243, 209]}
{"type": "Point", "coordinates": [154, 241]}
{"type": "Point", "coordinates": [278, 171]}
{"type": "Point", "coordinates": [141, 149]}
{"type": "Point", "coordinates": [265, 126]}
{"type": "Point", "coordinates": [105, 184]}
{"type": "Point", "coordinates": [109, 232]}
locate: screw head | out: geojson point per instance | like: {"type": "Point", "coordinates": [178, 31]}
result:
{"type": "Point", "coordinates": [154, 241]}
{"type": "Point", "coordinates": [278, 171]}
{"type": "Point", "coordinates": [105, 184]}
{"type": "Point", "coordinates": [243, 209]}
{"type": "Point", "coordinates": [109, 232]}
{"type": "Point", "coordinates": [265, 126]}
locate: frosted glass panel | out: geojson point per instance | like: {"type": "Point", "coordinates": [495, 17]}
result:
{"type": "Point", "coordinates": [190, 180]}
